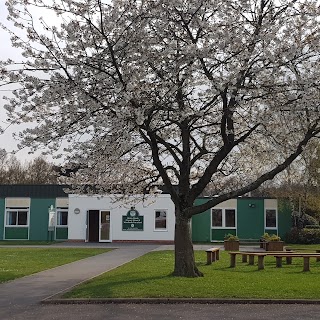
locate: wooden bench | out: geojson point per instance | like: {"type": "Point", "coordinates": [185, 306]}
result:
{"type": "Point", "coordinates": [260, 256]}
{"type": "Point", "coordinates": [251, 255]}
{"type": "Point", "coordinates": [213, 254]}
{"type": "Point", "coordinates": [306, 258]}
{"type": "Point", "coordinates": [267, 253]}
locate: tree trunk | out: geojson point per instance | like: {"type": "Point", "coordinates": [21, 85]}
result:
{"type": "Point", "coordinates": [184, 265]}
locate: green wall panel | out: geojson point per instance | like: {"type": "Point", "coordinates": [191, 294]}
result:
{"type": "Point", "coordinates": [201, 224]}
{"type": "Point", "coordinates": [250, 218]}
{"type": "Point", "coordinates": [218, 234]}
{"type": "Point", "coordinates": [2, 212]}
{"type": "Point", "coordinates": [284, 217]}
{"type": "Point", "coordinates": [16, 233]}
{"type": "Point", "coordinates": [39, 218]}
{"type": "Point", "coordinates": [61, 233]}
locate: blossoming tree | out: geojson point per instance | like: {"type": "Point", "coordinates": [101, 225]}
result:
{"type": "Point", "coordinates": [181, 93]}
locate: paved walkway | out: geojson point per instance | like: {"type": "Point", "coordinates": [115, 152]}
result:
{"type": "Point", "coordinates": [22, 296]}
{"type": "Point", "coordinates": [20, 299]}
{"type": "Point", "coordinates": [18, 295]}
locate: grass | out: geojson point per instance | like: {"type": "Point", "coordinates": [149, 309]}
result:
{"type": "Point", "coordinates": [149, 277]}
{"type": "Point", "coordinates": [19, 262]}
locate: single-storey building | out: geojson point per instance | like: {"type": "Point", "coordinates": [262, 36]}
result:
{"type": "Point", "coordinates": [47, 212]}
{"type": "Point", "coordinates": [24, 212]}
{"type": "Point", "coordinates": [246, 217]}
{"type": "Point", "coordinates": [101, 218]}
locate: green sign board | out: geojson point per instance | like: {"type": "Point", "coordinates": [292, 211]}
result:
{"type": "Point", "coordinates": [132, 221]}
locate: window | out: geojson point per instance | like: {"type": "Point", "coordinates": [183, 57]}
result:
{"type": "Point", "coordinates": [230, 215]}
{"type": "Point", "coordinates": [17, 217]}
{"type": "Point", "coordinates": [216, 217]}
{"type": "Point", "coordinates": [271, 219]}
{"type": "Point", "coordinates": [62, 217]}
{"type": "Point", "coordinates": [223, 218]}
{"type": "Point", "coordinates": [160, 220]}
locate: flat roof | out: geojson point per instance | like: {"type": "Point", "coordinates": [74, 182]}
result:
{"type": "Point", "coordinates": [33, 190]}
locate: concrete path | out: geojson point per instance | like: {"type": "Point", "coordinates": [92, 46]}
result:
{"type": "Point", "coordinates": [18, 295]}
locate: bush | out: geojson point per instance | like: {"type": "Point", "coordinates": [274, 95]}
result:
{"type": "Point", "coordinates": [309, 220]}
{"type": "Point", "coordinates": [304, 236]}
{"type": "Point", "coordinates": [230, 237]}
{"type": "Point", "coordinates": [270, 237]}
{"type": "Point", "coordinates": [265, 237]}
{"type": "Point", "coordinates": [312, 226]}
{"type": "Point", "coordinates": [274, 237]}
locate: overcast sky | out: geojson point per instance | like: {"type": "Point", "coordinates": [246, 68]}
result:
{"type": "Point", "coordinates": [6, 140]}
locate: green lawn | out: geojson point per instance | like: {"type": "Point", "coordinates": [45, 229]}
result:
{"type": "Point", "coordinates": [19, 262]}
{"type": "Point", "coordinates": [149, 277]}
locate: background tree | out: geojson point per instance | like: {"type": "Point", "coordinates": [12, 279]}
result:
{"type": "Point", "coordinates": [185, 93]}
{"type": "Point", "coordinates": [36, 171]}
{"type": "Point", "coordinates": [300, 183]}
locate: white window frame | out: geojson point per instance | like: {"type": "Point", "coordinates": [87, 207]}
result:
{"type": "Point", "coordinates": [224, 218]}
{"type": "Point", "coordinates": [62, 210]}
{"type": "Point", "coordinates": [154, 221]}
{"type": "Point", "coordinates": [17, 209]}
{"type": "Point", "coordinates": [265, 219]}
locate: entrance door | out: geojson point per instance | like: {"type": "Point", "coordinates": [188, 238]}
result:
{"type": "Point", "coordinates": [93, 226]}
{"type": "Point", "coordinates": [105, 226]}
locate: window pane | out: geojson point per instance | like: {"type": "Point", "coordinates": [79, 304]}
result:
{"type": "Point", "coordinates": [11, 218]}
{"type": "Point", "coordinates": [216, 217]}
{"type": "Point", "coordinates": [62, 218]}
{"type": "Point", "coordinates": [22, 218]}
{"type": "Point", "coordinates": [230, 218]}
{"type": "Point", "coordinates": [160, 219]}
{"type": "Point", "coordinates": [271, 219]}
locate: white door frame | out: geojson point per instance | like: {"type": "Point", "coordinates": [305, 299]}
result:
{"type": "Point", "coordinates": [100, 226]}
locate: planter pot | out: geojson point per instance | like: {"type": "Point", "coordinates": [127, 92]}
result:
{"type": "Point", "coordinates": [263, 244]}
{"type": "Point", "coordinates": [231, 245]}
{"type": "Point", "coordinates": [275, 246]}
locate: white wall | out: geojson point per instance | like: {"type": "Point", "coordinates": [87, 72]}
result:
{"type": "Point", "coordinates": [77, 222]}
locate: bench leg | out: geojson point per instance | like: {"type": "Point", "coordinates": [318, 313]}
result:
{"type": "Point", "coordinates": [209, 259]}
{"type": "Point", "coordinates": [244, 258]}
{"type": "Point", "coordinates": [218, 254]}
{"type": "Point", "coordinates": [306, 263]}
{"type": "Point", "coordinates": [214, 256]}
{"type": "Point", "coordinates": [289, 260]}
{"type": "Point", "coordinates": [232, 260]}
{"type": "Point", "coordinates": [278, 262]}
{"type": "Point", "coordinates": [251, 260]}
{"type": "Point", "coordinates": [318, 258]}
{"type": "Point", "coordinates": [260, 262]}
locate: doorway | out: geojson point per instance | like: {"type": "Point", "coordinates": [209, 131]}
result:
{"type": "Point", "coordinates": [98, 226]}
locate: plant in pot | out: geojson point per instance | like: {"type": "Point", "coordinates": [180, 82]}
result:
{"type": "Point", "coordinates": [264, 241]}
{"type": "Point", "coordinates": [275, 243]}
{"type": "Point", "coordinates": [231, 242]}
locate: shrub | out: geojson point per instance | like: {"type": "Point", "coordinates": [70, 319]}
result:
{"type": "Point", "coordinates": [303, 236]}
{"type": "Point", "coordinates": [270, 237]}
{"type": "Point", "coordinates": [231, 237]}
{"type": "Point", "coordinates": [265, 237]}
{"type": "Point", "coordinates": [312, 226]}
{"type": "Point", "coordinates": [274, 237]}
